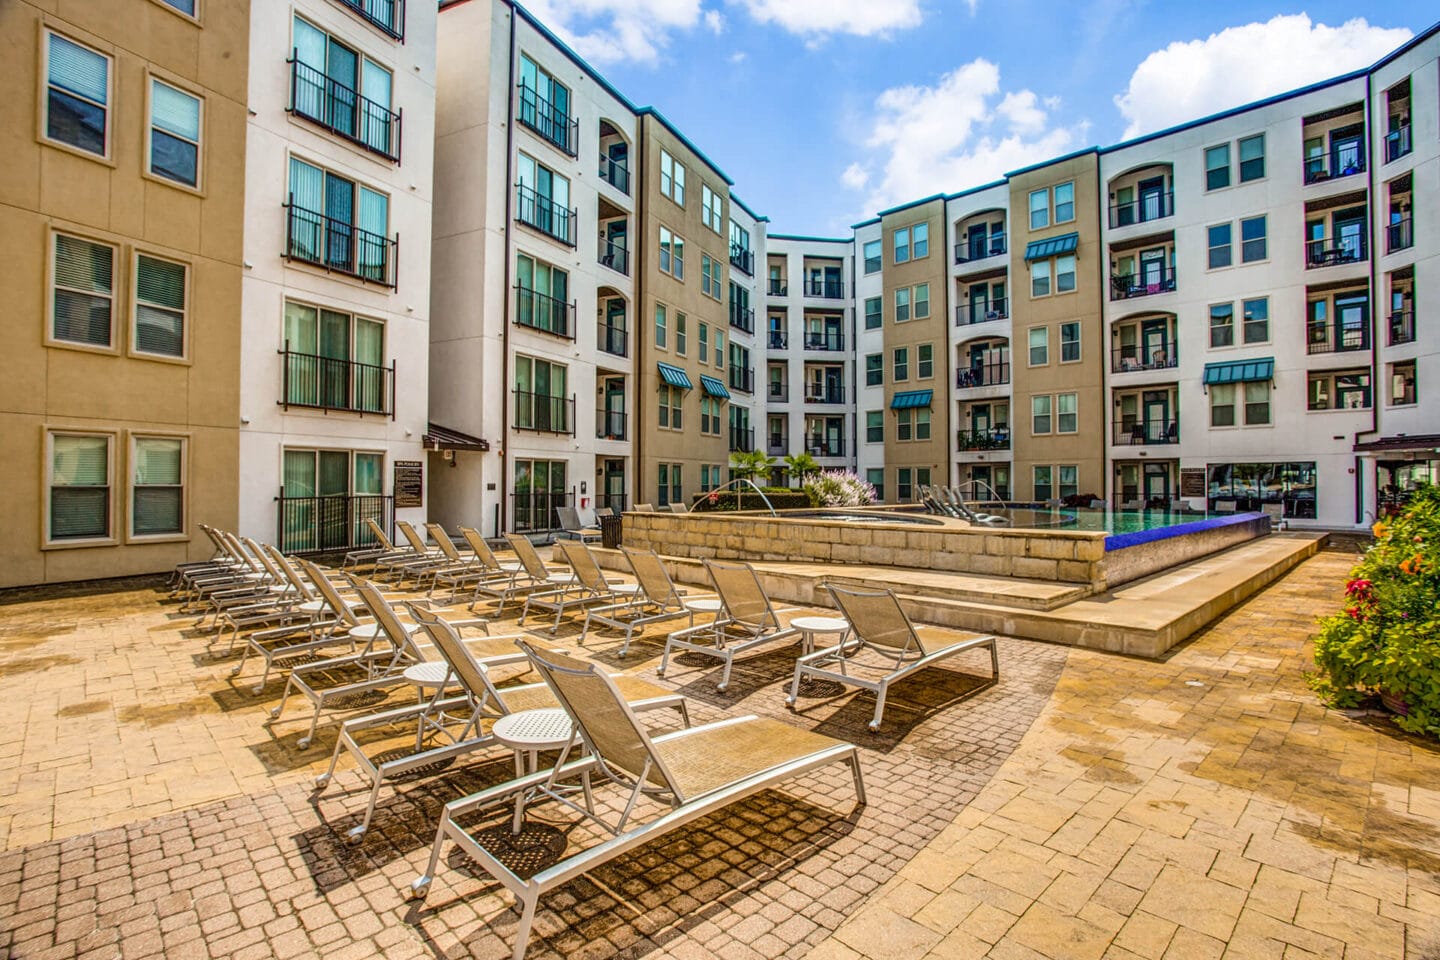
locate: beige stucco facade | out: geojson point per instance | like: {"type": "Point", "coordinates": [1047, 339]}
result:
{"type": "Point", "coordinates": [106, 386]}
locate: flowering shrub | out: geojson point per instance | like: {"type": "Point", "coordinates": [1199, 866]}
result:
{"type": "Point", "coordinates": [839, 488]}
{"type": "Point", "coordinates": [1387, 638]}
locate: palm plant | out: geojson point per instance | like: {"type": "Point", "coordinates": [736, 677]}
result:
{"type": "Point", "coordinates": [801, 466]}
{"type": "Point", "coordinates": [749, 465]}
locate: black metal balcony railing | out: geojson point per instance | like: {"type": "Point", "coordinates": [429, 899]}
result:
{"type": "Point", "coordinates": [1133, 359]}
{"type": "Point", "coordinates": [779, 391]}
{"type": "Point", "coordinates": [992, 438]}
{"type": "Point", "coordinates": [1332, 338]}
{"type": "Point", "coordinates": [615, 173]}
{"type": "Point", "coordinates": [610, 424]}
{"type": "Point", "coordinates": [742, 318]}
{"type": "Point", "coordinates": [327, 383]}
{"type": "Point", "coordinates": [339, 246]}
{"type": "Point", "coordinates": [1397, 143]}
{"type": "Point", "coordinates": [544, 214]}
{"type": "Point", "coordinates": [1329, 252]}
{"type": "Point", "coordinates": [825, 340]}
{"type": "Point", "coordinates": [613, 340]}
{"type": "Point", "coordinates": [983, 375]}
{"type": "Point", "coordinates": [1143, 210]}
{"type": "Point", "coordinates": [1140, 432]}
{"type": "Point", "coordinates": [313, 524]}
{"type": "Point", "coordinates": [824, 393]}
{"type": "Point", "coordinates": [742, 379]}
{"type": "Point", "coordinates": [1344, 164]}
{"type": "Point", "coordinates": [981, 311]}
{"type": "Point", "coordinates": [387, 16]}
{"type": "Point", "coordinates": [335, 107]}
{"type": "Point", "coordinates": [776, 444]}
{"type": "Point", "coordinates": [1148, 284]}
{"type": "Point", "coordinates": [778, 288]}
{"type": "Point", "coordinates": [540, 311]}
{"type": "Point", "coordinates": [821, 446]}
{"type": "Point", "coordinates": [779, 340]}
{"type": "Point", "coordinates": [742, 259]}
{"type": "Point", "coordinates": [1399, 235]}
{"type": "Point", "coordinates": [614, 256]}
{"type": "Point", "coordinates": [968, 251]}
{"type": "Point", "coordinates": [536, 512]}
{"type": "Point", "coordinates": [1402, 327]}
{"type": "Point", "coordinates": [556, 126]}
{"type": "Point", "coordinates": [742, 439]}
{"type": "Point", "coordinates": [544, 413]}
{"type": "Point", "coordinates": [825, 289]}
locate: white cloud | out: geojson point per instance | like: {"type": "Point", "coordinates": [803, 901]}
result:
{"type": "Point", "coordinates": [607, 31]}
{"type": "Point", "coordinates": [715, 22]}
{"type": "Point", "coordinates": [959, 133]}
{"type": "Point", "coordinates": [738, 56]}
{"type": "Point", "coordinates": [818, 18]}
{"type": "Point", "coordinates": [1187, 80]}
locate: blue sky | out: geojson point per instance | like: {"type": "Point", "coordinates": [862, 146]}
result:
{"type": "Point", "coordinates": [825, 111]}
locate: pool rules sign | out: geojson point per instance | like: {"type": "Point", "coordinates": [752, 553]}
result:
{"type": "Point", "coordinates": [409, 483]}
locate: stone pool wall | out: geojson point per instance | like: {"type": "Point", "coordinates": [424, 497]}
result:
{"type": "Point", "coordinates": [1130, 556]}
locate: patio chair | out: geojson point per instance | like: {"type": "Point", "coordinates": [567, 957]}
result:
{"type": "Point", "coordinates": [746, 620]}
{"type": "Point", "coordinates": [424, 560]}
{"type": "Point", "coordinates": [678, 507]}
{"type": "Point", "coordinates": [589, 586]}
{"type": "Point", "coordinates": [467, 698]}
{"type": "Point", "coordinates": [243, 574]}
{"type": "Point", "coordinates": [291, 602]}
{"type": "Point", "coordinates": [393, 553]}
{"type": "Point", "coordinates": [644, 508]}
{"type": "Point", "coordinates": [571, 527]}
{"type": "Point", "coordinates": [220, 559]}
{"type": "Point", "coordinates": [882, 643]}
{"type": "Point", "coordinates": [657, 600]}
{"type": "Point", "coordinates": [694, 772]}
{"type": "Point", "coordinates": [533, 575]}
{"type": "Point", "coordinates": [381, 549]}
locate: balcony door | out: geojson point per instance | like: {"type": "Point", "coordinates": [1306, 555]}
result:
{"type": "Point", "coordinates": [614, 425]}
{"type": "Point", "coordinates": [1152, 198]}
{"type": "Point", "coordinates": [1157, 485]}
{"type": "Point", "coordinates": [1349, 232]}
{"type": "Point", "coordinates": [1155, 342]}
{"type": "Point", "coordinates": [1352, 322]}
{"type": "Point", "coordinates": [1345, 150]}
{"type": "Point", "coordinates": [1157, 415]}
{"type": "Point", "coordinates": [980, 421]}
{"type": "Point", "coordinates": [977, 238]}
{"type": "Point", "coordinates": [1152, 270]}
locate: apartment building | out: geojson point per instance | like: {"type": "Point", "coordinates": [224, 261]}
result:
{"type": "Point", "coordinates": [745, 354]}
{"type": "Point", "coordinates": [869, 368]}
{"type": "Point", "coordinates": [121, 215]}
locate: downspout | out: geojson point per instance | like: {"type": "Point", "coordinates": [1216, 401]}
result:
{"type": "Point", "coordinates": [505, 290]}
{"type": "Point", "coordinates": [638, 246]}
{"type": "Point", "coordinates": [1376, 386]}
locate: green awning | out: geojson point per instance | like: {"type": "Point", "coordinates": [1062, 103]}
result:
{"type": "Point", "coordinates": [910, 399]}
{"type": "Point", "coordinates": [714, 387]}
{"type": "Point", "coordinates": [675, 376]}
{"type": "Point", "coordinates": [1040, 249]}
{"type": "Point", "coordinates": [1243, 371]}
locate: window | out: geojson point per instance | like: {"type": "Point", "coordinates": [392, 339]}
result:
{"type": "Point", "coordinates": [672, 178]}
{"type": "Point", "coordinates": [77, 96]}
{"type": "Point", "coordinates": [874, 312]}
{"type": "Point", "coordinates": [1341, 390]}
{"type": "Point", "coordinates": [1065, 413]}
{"type": "Point", "coordinates": [902, 363]}
{"type": "Point", "coordinates": [1040, 414]}
{"type": "Point", "coordinates": [875, 426]}
{"type": "Point", "coordinates": [336, 87]}
{"type": "Point", "coordinates": [670, 407]}
{"type": "Point", "coordinates": [921, 299]}
{"type": "Point", "coordinates": [922, 423]}
{"type": "Point", "coordinates": [1040, 278]}
{"type": "Point", "coordinates": [159, 306]}
{"type": "Point", "coordinates": [719, 349]}
{"type": "Point", "coordinates": [1403, 386]}
{"type": "Point", "coordinates": [902, 304]}
{"type": "Point", "coordinates": [334, 361]}
{"type": "Point", "coordinates": [670, 487]}
{"type": "Point", "coordinates": [343, 226]}
{"type": "Point", "coordinates": [872, 256]}
{"type": "Point", "coordinates": [710, 208]}
{"type": "Point", "coordinates": [920, 241]}
{"type": "Point", "coordinates": [543, 200]}
{"type": "Point", "coordinates": [875, 476]}
{"type": "Point", "coordinates": [1222, 405]}
{"type": "Point", "coordinates": [902, 245]}
{"type": "Point", "coordinates": [1257, 402]}
{"type": "Point", "coordinates": [1039, 346]}
{"type": "Point", "coordinates": [904, 424]}
{"type": "Point", "coordinates": [1252, 158]}
{"type": "Point", "coordinates": [84, 291]}
{"type": "Point", "coordinates": [1217, 167]}
{"type": "Point", "coordinates": [1069, 481]}
{"type": "Point", "coordinates": [174, 134]}
{"type": "Point", "coordinates": [540, 402]}
{"type": "Point", "coordinates": [1222, 325]}
{"type": "Point", "coordinates": [1044, 489]}
{"type": "Point", "coordinates": [874, 370]}
{"type": "Point", "coordinates": [903, 488]}
{"type": "Point", "coordinates": [186, 7]}
{"type": "Point", "coordinates": [660, 325]}
{"type": "Point", "coordinates": [1069, 342]}
{"type": "Point", "coordinates": [680, 331]}
{"type": "Point", "coordinates": [1257, 319]}
{"type": "Point", "coordinates": [157, 486]}
{"type": "Point", "coordinates": [710, 416]}
{"type": "Point", "coordinates": [924, 361]}
{"type": "Point", "coordinates": [709, 276]}
{"type": "Point", "coordinates": [672, 255]}
{"type": "Point", "coordinates": [1065, 273]}
{"type": "Point", "coordinates": [1252, 240]}
{"type": "Point", "coordinates": [704, 342]}
{"type": "Point", "coordinates": [542, 296]}
{"type": "Point", "coordinates": [1064, 202]}
{"type": "Point", "coordinates": [1039, 209]}
{"type": "Point", "coordinates": [79, 483]}
{"type": "Point", "coordinates": [1219, 245]}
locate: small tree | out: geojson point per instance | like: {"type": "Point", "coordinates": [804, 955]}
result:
{"type": "Point", "coordinates": [748, 466]}
{"type": "Point", "coordinates": [801, 466]}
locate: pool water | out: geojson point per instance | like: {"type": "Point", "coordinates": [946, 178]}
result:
{"type": "Point", "coordinates": [1119, 521]}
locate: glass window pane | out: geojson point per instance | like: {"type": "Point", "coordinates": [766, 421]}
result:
{"type": "Point", "coordinates": [78, 69]}
{"type": "Point", "coordinates": [174, 111]}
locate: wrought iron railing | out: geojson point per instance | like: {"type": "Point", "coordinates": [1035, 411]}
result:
{"type": "Point", "coordinates": [339, 246]}
{"type": "Point", "coordinates": [615, 173]}
{"type": "Point", "coordinates": [335, 107]}
{"type": "Point", "coordinates": [315, 524]}
{"type": "Point", "coordinates": [776, 443]}
{"type": "Point", "coordinates": [822, 446]}
{"type": "Point", "coordinates": [983, 375]}
{"type": "Point", "coordinates": [778, 288]}
{"type": "Point", "coordinates": [1397, 143]}
{"type": "Point", "coordinates": [613, 340]}
{"type": "Point", "coordinates": [1399, 235]}
{"type": "Point", "coordinates": [540, 311]}
{"type": "Point", "coordinates": [1133, 358]}
{"type": "Point", "coordinates": [825, 340]}
{"type": "Point", "coordinates": [536, 512]}
{"type": "Point", "coordinates": [328, 383]}
{"type": "Point", "coordinates": [779, 340]}
{"type": "Point", "coordinates": [1328, 252]}
{"type": "Point", "coordinates": [1143, 210]}
{"type": "Point", "coordinates": [540, 115]}
{"type": "Point", "coordinates": [742, 379]}
{"type": "Point", "coordinates": [387, 16]}
{"type": "Point", "coordinates": [968, 251]}
{"type": "Point", "coordinates": [779, 391]}
{"type": "Point", "coordinates": [824, 393]}
{"type": "Point", "coordinates": [614, 256]}
{"type": "Point", "coordinates": [544, 413]}
{"type": "Point", "coordinates": [742, 259]}
{"type": "Point", "coordinates": [1402, 327]}
{"type": "Point", "coordinates": [742, 318]}
{"type": "Point", "coordinates": [1343, 164]}
{"type": "Point", "coordinates": [825, 289]}
{"type": "Point", "coordinates": [981, 312]}
{"type": "Point", "coordinates": [1130, 285]}
{"type": "Point", "coordinates": [544, 214]}
{"type": "Point", "coordinates": [991, 438]}
{"type": "Point", "coordinates": [1139, 432]}
{"type": "Point", "coordinates": [1323, 337]}
{"type": "Point", "coordinates": [610, 424]}
{"type": "Point", "coordinates": [742, 439]}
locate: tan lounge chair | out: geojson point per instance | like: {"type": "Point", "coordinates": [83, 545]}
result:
{"type": "Point", "coordinates": [657, 600]}
{"type": "Point", "coordinates": [746, 620]}
{"type": "Point", "coordinates": [590, 586]}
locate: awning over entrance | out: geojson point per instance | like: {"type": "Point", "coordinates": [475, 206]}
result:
{"type": "Point", "coordinates": [675, 376]}
{"type": "Point", "coordinates": [910, 399]}
{"type": "Point", "coordinates": [714, 387]}
{"type": "Point", "coordinates": [1054, 246]}
{"type": "Point", "coordinates": [1429, 442]}
{"type": "Point", "coordinates": [443, 438]}
{"type": "Point", "coordinates": [1243, 371]}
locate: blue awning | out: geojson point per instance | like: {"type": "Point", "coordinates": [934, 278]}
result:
{"type": "Point", "coordinates": [910, 399]}
{"type": "Point", "coordinates": [1040, 249]}
{"type": "Point", "coordinates": [675, 376]}
{"type": "Point", "coordinates": [1241, 371]}
{"type": "Point", "coordinates": [714, 387]}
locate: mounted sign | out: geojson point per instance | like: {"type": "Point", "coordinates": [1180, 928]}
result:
{"type": "Point", "coordinates": [1192, 482]}
{"type": "Point", "coordinates": [409, 483]}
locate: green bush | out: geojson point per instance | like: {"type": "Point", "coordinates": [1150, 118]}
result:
{"type": "Point", "coordinates": [780, 498]}
{"type": "Point", "coordinates": [1387, 639]}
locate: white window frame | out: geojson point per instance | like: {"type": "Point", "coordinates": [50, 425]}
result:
{"type": "Point", "coordinates": [1061, 413]}
{"type": "Point", "coordinates": [1037, 402]}
{"type": "Point", "coordinates": [185, 338]}
{"type": "Point", "coordinates": [711, 207]}
{"type": "Point", "coordinates": [895, 246]}
{"type": "Point", "coordinates": [150, 172]}
{"type": "Point", "coordinates": [44, 112]}
{"type": "Point", "coordinates": [1075, 324]}
{"type": "Point", "coordinates": [672, 178]}
{"type": "Point", "coordinates": [130, 487]}
{"type": "Point", "coordinates": [1042, 212]}
{"type": "Point", "coordinates": [116, 259]}
{"type": "Point", "coordinates": [1056, 202]}
{"type": "Point", "coordinates": [109, 538]}
{"type": "Point", "coordinates": [1030, 346]}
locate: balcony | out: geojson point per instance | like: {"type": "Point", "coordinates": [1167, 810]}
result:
{"type": "Point", "coordinates": [742, 318]}
{"type": "Point", "coordinates": [776, 446]}
{"type": "Point", "coordinates": [1325, 337]}
{"type": "Point", "coordinates": [543, 413]}
{"type": "Point", "coordinates": [333, 106]}
{"type": "Point", "coordinates": [540, 115]}
{"type": "Point", "coordinates": [328, 383]}
{"type": "Point", "coordinates": [742, 259]}
{"type": "Point", "coordinates": [615, 173]}
{"type": "Point", "coordinates": [820, 446]}
{"type": "Point", "coordinates": [1156, 206]}
{"type": "Point", "coordinates": [1402, 327]}
{"type": "Point", "coordinates": [983, 375]}
{"type": "Point", "coordinates": [969, 251]}
{"type": "Point", "coordinates": [825, 289]}
{"type": "Point", "coordinates": [779, 340]}
{"type": "Point", "coordinates": [982, 312]}
{"type": "Point", "coordinates": [1132, 359]}
{"type": "Point", "coordinates": [612, 340]}
{"type": "Point", "coordinates": [742, 439]}
{"type": "Point", "coordinates": [826, 340]}
{"type": "Point", "coordinates": [540, 311]}
{"type": "Point", "coordinates": [742, 379]}
{"type": "Point", "coordinates": [779, 391]}
{"type": "Point", "coordinates": [993, 438]}
{"type": "Point", "coordinates": [1397, 143]}
{"type": "Point", "coordinates": [1332, 252]}
{"type": "Point", "coordinates": [1399, 235]}
{"type": "Point", "coordinates": [1344, 164]}
{"type": "Point", "coordinates": [1148, 284]}
{"type": "Point", "coordinates": [339, 246]}
{"type": "Point", "coordinates": [609, 424]}
{"type": "Point", "coordinates": [312, 524]}
{"type": "Point", "coordinates": [824, 393]}
{"type": "Point", "coordinates": [1134, 433]}
{"type": "Point", "coordinates": [539, 211]}
{"type": "Point", "coordinates": [777, 288]}
{"type": "Point", "coordinates": [387, 16]}
{"type": "Point", "coordinates": [614, 256]}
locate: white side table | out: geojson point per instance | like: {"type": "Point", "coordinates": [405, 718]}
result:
{"type": "Point", "coordinates": [429, 676]}
{"type": "Point", "coordinates": [711, 605]}
{"type": "Point", "coordinates": [810, 626]}
{"type": "Point", "coordinates": [528, 733]}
